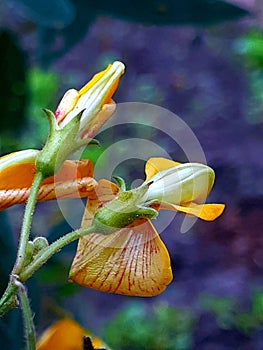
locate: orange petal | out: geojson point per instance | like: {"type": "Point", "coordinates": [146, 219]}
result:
{"type": "Point", "coordinates": [99, 120]}
{"type": "Point", "coordinates": [132, 261]}
{"type": "Point", "coordinates": [65, 334]}
{"type": "Point", "coordinates": [154, 165]}
{"type": "Point", "coordinates": [208, 212]}
{"type": "Point", "coordinates": [16, 180]}
{"type": "Point", "coordinates": [17, 169]}
{"type": "Point", "coordinates": [94, 80]}
{"type": "Point", "coordinates": [68, 102]}
{"type": "Point", "coordinates": [71, 170]}
{"type": "Point", "coordinates": [79, 188]}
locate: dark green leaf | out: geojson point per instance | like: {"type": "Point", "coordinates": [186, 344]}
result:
{"type": "Point", "coordinates": [13, 90]}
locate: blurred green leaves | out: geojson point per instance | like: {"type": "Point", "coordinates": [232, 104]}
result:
{"type": "Point", "coordinates": [230, 315]}
{"type": "Point", "coordinates": [250, 48]}
{"type": "Point", "coordinates": [43, 87]}
{"type": "Point", "coordinates": [162, 327]}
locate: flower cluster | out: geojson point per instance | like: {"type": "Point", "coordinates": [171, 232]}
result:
{"type": "Point", "coordinates": [122, 253]}
{"type": "Point", "coordinates": [125, 254]}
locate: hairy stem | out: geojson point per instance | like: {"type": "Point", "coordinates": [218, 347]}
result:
{"type": "Point", "coordinates": [25, 231]}
{"type": "Point", "coordinates": [30, 334]}
{"type": "Point", "coordinates": [48, 252]}
{"type": "Point", "coordinates": [8, 300]}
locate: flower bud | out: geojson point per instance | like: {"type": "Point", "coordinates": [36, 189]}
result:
{"type": "Point", "coordinates": [181, 184]}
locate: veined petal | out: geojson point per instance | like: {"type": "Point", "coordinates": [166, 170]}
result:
{"type": "Point", "coordinates": [154, 165]}
{"type": "Point", "coordinates": [208, 212]}
{"type": "Point", "coordinates": [17, 172]}
{"type": "Point", "coordinates": [131, 261]}
{"type": "Point", "coordinates": [78, 188]}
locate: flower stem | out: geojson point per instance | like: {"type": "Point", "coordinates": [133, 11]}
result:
{"type": "Point", "coordinates": [48, 252]}
{"type": "Point", "coordinates": [25, 231]}
{"type": "Point", "coordinates": [30, 334]}
{"type": "Point", "coordinates": [8, 300]}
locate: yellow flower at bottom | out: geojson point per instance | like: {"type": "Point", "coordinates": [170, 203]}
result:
{"type": "Point", "coordinates": [133, 260]}
{"type": "Point", "coordinates": [65, 334]}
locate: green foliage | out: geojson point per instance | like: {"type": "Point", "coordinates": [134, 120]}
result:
{"type": "Point", "coordinates": [43, 86]}
{"type": "Point", "coordinates": [158, 328]}
{"type": "Point", "coordinates": [230, 315]}
{"type": "Point", "coordinates": [163, 327]}
{"type": "Point", "coordinates": [250, 46]}
{"type": "Point", "coordinates": [222, 308]}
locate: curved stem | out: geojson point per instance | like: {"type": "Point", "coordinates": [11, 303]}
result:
{"type": "Point", "coordinates": [49, 251]}
{"type": "Point", "coordinates": [25, 231]}
{"type": "Point", "coordinates": [30, 333]}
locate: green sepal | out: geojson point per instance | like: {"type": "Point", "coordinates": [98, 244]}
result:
{"type": "Point", "coordinates": [60, 144]}
{"type": "Point", "coordinates": [122, 212]}
{"type": "Point", "coordinates": [120, 183]}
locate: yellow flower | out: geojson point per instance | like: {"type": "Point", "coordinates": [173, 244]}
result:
{"type": "Point", "coordinates": [133, 260]}
{"type": "Point", "coordinates": [94, 99]}
{"type": "Point", "coordinates": [74, 179]}
{"type": "Point", "coordinates": [65, 334]}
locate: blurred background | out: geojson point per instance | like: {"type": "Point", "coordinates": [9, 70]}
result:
{"type": "Point", "coordinates": [201, 59]}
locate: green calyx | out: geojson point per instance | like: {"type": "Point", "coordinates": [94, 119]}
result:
{"type": "Point", "coordinates": [60, 144]}
{"type": "Point", "coordinates": [122, 211]}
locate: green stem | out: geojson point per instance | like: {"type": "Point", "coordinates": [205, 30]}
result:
{"type": "Point", "coordinates": [48, 252]}
{"type": "Point", "coordinates": [30, 333]}
{"type": "Point", "coordinates": [25, 231]}
{"type": "Point", "coordinates": [8, 300]}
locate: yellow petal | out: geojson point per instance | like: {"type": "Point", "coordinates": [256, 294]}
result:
{"type": "Point", "coordinates": [208, 212]}
{"type": "Point", "coordinates": [154, 165]}
{"type": "Point", "coordinates": [94, 80]}
{"type": "Point", "coordinates": [16, 180]}
{"type": "Point", "coordinates": [132, 261]}
{"type": "Point", "coordinates": [65, 334]}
